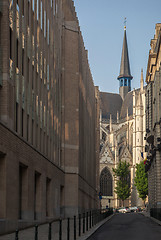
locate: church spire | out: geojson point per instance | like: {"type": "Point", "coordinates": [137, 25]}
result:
{"type": "Point", "coordinates": [125, 74]}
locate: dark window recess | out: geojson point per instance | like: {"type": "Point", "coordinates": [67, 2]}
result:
{"type": "Point", "coordinates": [11, 43]}
{"type": "Point", "coordinates": [48, 181]}
{"type": "Point", "coordinates": [22, 122]}
{"type": "Point", "coordinates": [23, 55]}
{"type": "Point", "coordinates": [27, 127]}
{"type": "Point", "coordinates": [37, 195]}
{"type": "Point", "coordinates": [22, 189]}
{"type": "Point", "coordinates": [17, 53]}
{"type": "Point", "coordinates": [16, 116]}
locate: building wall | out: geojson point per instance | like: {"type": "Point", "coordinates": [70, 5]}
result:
{"type": "Point", "coordinates": [48, 115]}
{"type": "Point", "coordinates": [153, 124]}
{"type": "Point", "coordinates": [79, 116]}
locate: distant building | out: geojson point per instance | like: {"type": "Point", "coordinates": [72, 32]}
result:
{"type": "Point", "coordinates": [49, 115]}
{"type": "Point", "coordinates": [153, 123]}
{"type": "Point", "coordinates": [122, 131]}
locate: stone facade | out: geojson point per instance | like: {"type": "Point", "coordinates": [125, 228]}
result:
{"type": "Point", "coordinates": [153, 123]}
{"type": "Point", "coordinates": [48, 115]}
{"type": "Point", "coordinates": [123, 140]}
{"type": "Point", "coordinates": [122, 132]}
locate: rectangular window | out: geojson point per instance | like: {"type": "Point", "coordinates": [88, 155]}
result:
{"type": "Point", "coordinates": [23, 60]}
{"type": "Point", "coordinates": [22, 190]}
{"type": "Point", "coordinates": [44, 23]}
{"type": "Point", "coordinates": [61, 199]}
{"type": "Point", "coordinates": [48, 183]}
{"type": "Point", "coordinates": [23, 8]}
{"type": "Point", "coordinates": [2, 187]}
{"type": "Point", "coordinates": [22, 123]}
{"type": "Point", "coordinates": [27, 127]}
{"type": "Point", "coordinates": [48, 31]}
{"type": "Point", "coordinates": [41, 14]}
{"type": "Point", "coordinates": [17, 48]}
{"type": "Point", "coordinates": [48, 76]}
{"type": "Point", "coordinates": [16, 117]}
{"type": "Point", "coordinates": [33, 5]}
{"type": "Point", "coordinates": [11, 35]}
{"type": "Point", "coordinates": [28, 13]}
{"type": "Point", "coordinates": [37, 9]}
{"type": "Point", "coordinates": [54, 7]}
{"type": "Point", "coordinates": [37, 198]}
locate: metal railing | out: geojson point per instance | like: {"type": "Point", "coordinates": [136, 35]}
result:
{"type": "Point", "coordinates": [70, 228]}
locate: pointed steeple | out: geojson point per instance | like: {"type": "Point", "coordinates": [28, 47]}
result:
{"type": "Point", "coordinates": [125, 74]}
{"type": "Point", "coordinates": [125, 65]}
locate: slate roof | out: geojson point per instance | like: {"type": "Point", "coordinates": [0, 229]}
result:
{"type": "Point", "coordinates": [127, 103]}
{"type": "Point", "coordinates": [125, 65]}
{"type": "Point", "coordinates": [110, 104]}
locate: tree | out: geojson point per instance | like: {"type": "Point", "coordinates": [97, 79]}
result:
{"type": "Point", "coordinates": [122, 174]}
{"type": "Point", "coordinates": [141, 181]}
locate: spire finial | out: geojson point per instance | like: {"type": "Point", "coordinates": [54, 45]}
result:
{"type": "Point", "coordinates": [125, 23]}
{"type": "Point", "coordinates": [141, 81]}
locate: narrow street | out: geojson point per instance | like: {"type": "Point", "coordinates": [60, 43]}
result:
{"type": "Point", "coordinates": [132, 226]}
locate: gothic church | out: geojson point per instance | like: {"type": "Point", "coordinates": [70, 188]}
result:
{"type": "Point", "coordinates": [122, 131]}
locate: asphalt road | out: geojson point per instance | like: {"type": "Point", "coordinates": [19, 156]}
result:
{"type": "Point", "coordinates": [128, 226]}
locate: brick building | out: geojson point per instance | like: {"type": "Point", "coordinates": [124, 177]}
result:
{"type": "Point", "coordinates": [49, 107]}
{"type": "Point", "coordinates": [153, 123]}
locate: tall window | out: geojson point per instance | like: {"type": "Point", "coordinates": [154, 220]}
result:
{"type": "Point", "coordinates": [106, 182]}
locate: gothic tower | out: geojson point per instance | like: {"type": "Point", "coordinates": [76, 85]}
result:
{"type": "Point", "coordinates": [125, 75]}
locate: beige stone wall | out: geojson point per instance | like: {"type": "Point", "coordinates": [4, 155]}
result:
{"type": "Point", "coordinates": [153, 113]}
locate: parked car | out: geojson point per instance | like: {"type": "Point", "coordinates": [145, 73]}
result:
{"type": "Point", "coordinates": [124, 210]}
{"type": "Point", "coordinates": [133, 209]}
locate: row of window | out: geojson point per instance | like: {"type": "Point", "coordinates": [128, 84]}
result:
{"type": "Point", "coordinates": [125, 82]}
{"type": "Point", "coordinates": [37, 196]}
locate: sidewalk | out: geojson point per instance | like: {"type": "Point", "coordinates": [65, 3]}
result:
{"type": "Point", "coordinates": [29, 234]}
{"type": "Point", "coordinates": [147, 214]}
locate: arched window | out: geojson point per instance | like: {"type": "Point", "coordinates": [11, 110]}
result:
{"type": "Point", "coordinates": [121, 83]}
{"type": "Point", "coordinates": [125, 82]}
{"type": "Point", "coordinates": [106, 182]}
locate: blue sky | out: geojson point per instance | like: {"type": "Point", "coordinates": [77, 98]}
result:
{"type": "Point", "coordinates": [102, 26]}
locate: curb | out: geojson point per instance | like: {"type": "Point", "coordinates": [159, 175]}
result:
{"type": "Point", "coordinates": [152, 218]}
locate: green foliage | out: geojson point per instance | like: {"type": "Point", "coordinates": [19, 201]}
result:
{"type": "Point", "coordinates": [122, 173]}
{"type": "Point", "coordinates": [141, 180]}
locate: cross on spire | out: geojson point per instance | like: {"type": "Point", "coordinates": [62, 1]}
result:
{"type": "Point", "coordinates": [125, 23]}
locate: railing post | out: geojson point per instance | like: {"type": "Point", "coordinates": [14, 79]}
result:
{"type": "Point", "coordinates": [60, 229]}
{"type": "Point", "coordinates": [79, 224]}
{"type": "Point", "coordinates": [83, 222]}
{"type": "Point", "coordinates": [74, 227]}
{"type": "Point", "coordinates": [87, 221]}
{"type": "Point", "coordinates": [49, 235]}
{"type": "Point", "coordinates": [68, 229]}
{"type": "Point", "coordinates": [92, 218]}
{"type": "Point", "coordinates": [36, 232]}
{"type": "Point", "coordinates": [16, 235]}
